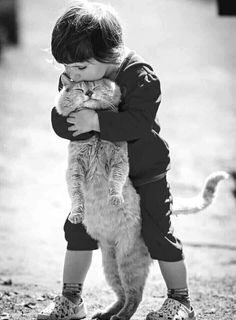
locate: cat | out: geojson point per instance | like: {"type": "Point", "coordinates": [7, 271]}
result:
{"type": "Point", "coordinates": [104, 199]}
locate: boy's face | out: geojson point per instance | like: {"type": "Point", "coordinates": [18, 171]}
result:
{"type": "Point", "coordinates": [86, 71]}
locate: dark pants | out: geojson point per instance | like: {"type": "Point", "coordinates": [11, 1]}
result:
{"type": "Point", "coordinates": [157, 231]}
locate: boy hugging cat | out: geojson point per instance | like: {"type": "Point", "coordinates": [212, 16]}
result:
{"type": "Point", "coordinates": [88, 40]}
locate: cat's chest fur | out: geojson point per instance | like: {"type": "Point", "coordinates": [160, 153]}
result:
{"type": "Point", "coordinates": [93, 154]}
{"type": "Point", "coordinates": [103, 220]}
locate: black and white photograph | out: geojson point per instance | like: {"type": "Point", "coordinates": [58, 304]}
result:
{"type": "Point", "coordinates": [118, 160]}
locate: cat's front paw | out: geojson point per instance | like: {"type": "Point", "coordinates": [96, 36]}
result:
{"type": "Point", "coordinates": [116, 200]}
{"type": "Point", "coordinates": [75, 217]}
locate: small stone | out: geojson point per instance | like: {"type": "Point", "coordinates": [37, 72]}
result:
{"type": "Point", "coordinates": [4, 316]}
{"type": "Point", "coordinates": [41, 298]}
{"type": "Point", "coordinates": [49, 296]}
{"type": "Point", "coordinates": [7, 282]}
{"type": "Point", "coordinates": [211, 311]}
{"type": "Point", "coordinates": [30, 305]}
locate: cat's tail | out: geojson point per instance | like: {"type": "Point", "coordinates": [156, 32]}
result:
{"type": "Point", "coordinates": [204, 199]}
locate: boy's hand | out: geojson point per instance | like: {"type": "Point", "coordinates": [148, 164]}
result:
{"type": "Point", "coordinates": [83, 121]}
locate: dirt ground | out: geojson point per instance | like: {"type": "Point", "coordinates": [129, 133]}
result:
{"type": "Point", "coordinates": [193, 51]}
{"type": "Point", "coordinates": [213, 299]}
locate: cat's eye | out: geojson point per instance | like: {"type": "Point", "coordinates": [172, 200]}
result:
{"type": "Point", "coordinates": [78, 89]}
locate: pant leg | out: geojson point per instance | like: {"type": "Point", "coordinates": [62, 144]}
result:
{"type": "Point", "coordinates": [77, 237]}
{"type": "Point", "coordinates": [157, 229]}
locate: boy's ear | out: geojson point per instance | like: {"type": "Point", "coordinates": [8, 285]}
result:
{"type": "Point", "coordinates": [66, 81]}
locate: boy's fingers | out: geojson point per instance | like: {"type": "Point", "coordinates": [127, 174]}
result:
{"type": "Point", "coordinates": [73, 114]}
{"type": "Point", "coordinates": [70, 120]}
{"type": "Point", "coordinates": [71, 128]}
{"type": "Point", "coordinates": [76, 133]}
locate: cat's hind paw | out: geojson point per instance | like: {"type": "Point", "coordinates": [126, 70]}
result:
{"type": "Point", "coordinates": [116, 200]}
{"type": "Point", "coordinates": [110, 311]}
{"type": "Point", "coordinates": [115, 317]}
{"type": "Point", "coordinates": [101, 315]}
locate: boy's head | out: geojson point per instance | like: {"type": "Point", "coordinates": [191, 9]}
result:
{"type": "Point", "coordinates": [88, 30]}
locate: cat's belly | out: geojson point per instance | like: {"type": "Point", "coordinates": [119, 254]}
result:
{"type": "Point", "coordinates": [106, 222]}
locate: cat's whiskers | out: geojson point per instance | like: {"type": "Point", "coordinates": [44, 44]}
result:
{"type": "Point", "coordinates": [112, 107]}
{"type": "Point", "coordinates": [109, 105]}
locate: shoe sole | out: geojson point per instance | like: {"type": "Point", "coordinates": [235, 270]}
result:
{"type": "Point", "coordinates": [68, 318]}
{"type": "Point", "coordinates": [194, 317]}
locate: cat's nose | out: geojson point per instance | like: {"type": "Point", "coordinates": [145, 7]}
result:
{"type": "Point", "coordinates": [89, 93]}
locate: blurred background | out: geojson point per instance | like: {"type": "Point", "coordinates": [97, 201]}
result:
{"type": "Point", "coordinates": [191, 45]}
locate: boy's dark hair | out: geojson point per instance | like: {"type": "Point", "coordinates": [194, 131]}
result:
{"type": "Point", "coordinates": [87, 30]}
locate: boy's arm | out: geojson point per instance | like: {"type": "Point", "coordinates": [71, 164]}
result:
{"type": "Point", "coordinates": [60, 126]}
{"type": "Point", "coordinates": [138, 117]}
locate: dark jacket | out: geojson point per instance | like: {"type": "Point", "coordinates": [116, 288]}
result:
{"type": "Point", "coordinates": [135, 122]}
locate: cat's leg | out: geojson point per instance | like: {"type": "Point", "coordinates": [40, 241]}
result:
{"type": "Point", "coordinates": [75, 181]}
{"type": "Point", "coordinates": [115, 193]}
{"type": "Point", "coordinates": [133, 267]}
{"type": "Point", "coordinates": [113, 279]}
{"type": "Point", "coordinates": [119, 171]}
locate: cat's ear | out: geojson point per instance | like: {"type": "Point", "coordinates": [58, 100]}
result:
{"type": "Point", "coordinates": [66, 82]}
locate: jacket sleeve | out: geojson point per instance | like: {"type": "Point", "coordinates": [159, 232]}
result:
{"type": "Point", "coordinates": [138, 113]}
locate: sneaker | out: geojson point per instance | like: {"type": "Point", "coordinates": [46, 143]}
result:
{"type": "Point", "coordinates": [172, 310]}
{"type": "Point", "coordinates": [63, 308]}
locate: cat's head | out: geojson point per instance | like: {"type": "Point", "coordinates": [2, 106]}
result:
{"type": "Point", "coordinates": [101, 94]}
